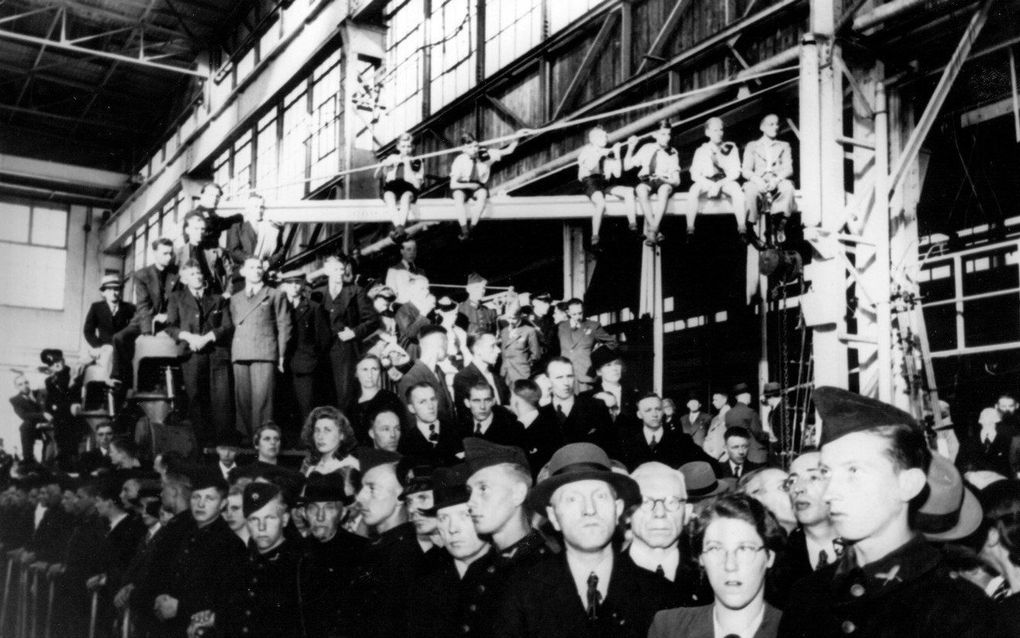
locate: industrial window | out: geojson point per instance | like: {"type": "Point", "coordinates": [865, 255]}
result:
{"type": "Point", "coordinates": [293, 146]}
{"type": "Point", "coordinates": [221, 172]}
{"type": "Point", "coordinates": [240, 181]}
{"type": "Point", "coordinates": [265, 164]}
{"type": "Point", "coordinates": [512, 27]}
{"type": "Point", "coordinates": [326, 113]}
{"type": "Point", "coordinates": [33, 254]}
{"type": "Point", "coordinates": [563, 13]}
{"type": "Point", "coordinates": [452, 50]}
{"type": "Point", "coordinates": [403, 78]}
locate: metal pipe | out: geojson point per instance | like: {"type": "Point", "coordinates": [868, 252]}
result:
{"type": "Point", "coordinates": [883, 257]}
{"type": "Point", "coordinates": [896, 8]}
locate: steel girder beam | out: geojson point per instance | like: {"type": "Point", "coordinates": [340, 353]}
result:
{"type": "Point", "coordinates": [669, 27]}
{"type": "Point", "coordinates": [590, 56]}
{"type": "Point", "coordinates": [68, 118]}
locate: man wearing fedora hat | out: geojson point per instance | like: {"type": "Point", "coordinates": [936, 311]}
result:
{"type": "Point", "coordinates": [331, 555]}
{"type": "Point", "coordinates": [306, 351]}
{"type": "Point", "coordinates": [105, 319]}
{"type": "Point", "coordinates": [743, 415]}
{"type": "Point", "coordinates": [889, 582]}
{"type": "Point", "coordinates": [589, 591]}
{"type": "Point", "coordinates": [702, 484]}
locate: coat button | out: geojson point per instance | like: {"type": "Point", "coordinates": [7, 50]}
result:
{"type": "Point", "coordinates": [465, 628]}
{"type": "Point", "coordinates": [481, 589]}
{"type": "Point", "coordinates": [857, 590]}
{"type": "Point", "coordinates": [848, 627]}
{"type": "Point", "coordinates": [472, 607]}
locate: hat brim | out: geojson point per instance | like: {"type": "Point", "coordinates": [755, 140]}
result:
{"type": "Point", "coordinates": [720, 488]}
{"type": "Point", "coordinates": [626, 488]}
{"type": "Point", "coordinates": [969, 521]}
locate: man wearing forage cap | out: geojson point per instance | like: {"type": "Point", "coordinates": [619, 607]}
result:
{"type": "Point", "coordinates": [590, 590]}
{"type": "Point", "coordinates": [889, 581]}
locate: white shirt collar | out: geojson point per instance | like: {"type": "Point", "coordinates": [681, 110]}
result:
{"type": "Point", "coordinates": [116, 521]}
{"type": "Point", "coordinates": [566, 404]}
{"type": "Point", "coordinates": [486, 424]}
{"type": "Point", "coordinates": [993, 584]}
{"type": "Point", "coordinates": [40, 511]}
{"type": "Point", "coordinates": [747, 631]}
{"type": "Point", "coordinates": [527, 419]}
{"type": "Point", "coordinates": [580, 573]}
{"type": "Point", "coordinates": [424, 428]}
{"type": "Point", "coordinates": [649, 558]}
{"type": "Point", "coordinates": [649, 433]}
{"type": "Point", "coordinates": [814, 548]}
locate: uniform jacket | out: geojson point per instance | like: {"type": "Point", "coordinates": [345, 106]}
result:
{"type": "Point", "coordinates": [413, 443]}
{"type": "Point", "coordinates": [481, 319]}
{"type": "Point", "coordinates": [325, 573]}
{"type": "Point", "coordinates": [265, 603]}
{"type": "Point", "coordinates": [101, 324]}
{"type": "Point", "coordinates": [186, 313]}
{"type": "Point", "coordinates": [470, 376]}
{"type": "Point", "coordinates": [504, 429]}
{"type": "Point", "coordinates": [311, 338]}
{"type": "Point", "coordinates": [151, 298]}
{"type": "Point", "coordinates": [908, 593]}
{"type": "Point", "coordinates": [262, 325]}
{"type": "Point", "coordinates": [674, 449]}
{"type": "Point", "coordinates": [697, 622]}
{"type": "Point", "coordinates": [420, 373]}
{"type": "Point", "coordinates": [588, 421]}
{"type": "Point", "coordinates": [577, 344]}
{"type": "Point", "coordinates": [745, 417]}
{"type": "Point", "coordinates": [763, 156]}
{"type": "Point", "coordinates": [521, 351]}
{"type": "Point", "coordinates": [698, 429]}
{"type": "Point", "coordinates": [541, 439]}
{"type": "Point", "coordinates": [543, 601]}
{"type": "Point", "coordinates": [446, 604]}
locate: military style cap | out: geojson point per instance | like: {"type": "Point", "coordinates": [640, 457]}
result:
{"type": "Point", "coordinates": [844, 412]}
{"type": "Point", "coordinates": [480, 454]}
{"type": "Point", "coordinates": [49, 356]}
{"type": "Point", "coordinates": [445, 304]}
{"type": "Point", "coordinates": [415, 475]}
{"type": "Point", "coordinates": [582, 462]}
{"type": "Point", "coordinates": [293, 277]}
{"type": "Point", "coordinates": [449, 488]}
{"type": "Point", "coordinates": [111, 281]}
{"type": "Point", "coordinates": [256, 495]}
{"type": "Point", "coordinates": [206, 476]}
{"type": "Point", "coordinates": [323, 488]}
{"type": "Point", "coordinates": [370, 458]}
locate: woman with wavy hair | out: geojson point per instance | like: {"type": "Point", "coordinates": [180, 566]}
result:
{"type": "Point", "coordinates": [736, 541]}
{"type": "Point", "coordinates": [329, 438]}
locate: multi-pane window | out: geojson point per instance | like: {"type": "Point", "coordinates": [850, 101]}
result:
{"type": "Point", "coordinates": [265, 163]}
{"type": "Point", "coordinates": [33, 254]}
{"type": "Point", "coordinates": [221, 172]}
{"type": "Point", "coordinates": [403, 79]}
{"type": "Point", "coordinates": [240, 181]}
{"type": "Point", "coordinates": [512, 27]}
{"type": "Point", "coordinates": [294, 146]}
{"type": "Point", "coordinates": [452, 49]}
{"type": "Point", "coordinates": [563, 13]}
{"type": "Point", "coordinates": [325, 119]}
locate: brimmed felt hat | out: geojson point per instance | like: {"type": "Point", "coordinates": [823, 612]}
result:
{"type": "Point", "coordinates": [415, 475]}
{"type": "Point", "coordinates": [844, 412]}
{"type": "Point", "coordinates": [111, 281]}
{"type": "Point", "coordinates": [701, 481]}
{"type": "Point", "coordinates": [771, 389]}
{"type": "Point", "coordinates": [951, 510]}
{"type": "Point", "coordinates": [604, 356]}
{"type": "Point", "coordinates": [449, 488]}
{"type": "Point", "coordinates": [445, 304]}
{"type": "Point", "coordinates": [480, 453]}
{"type": "Point", "coordinates": [324, 488]}
{"type": "Point", "coordinates": [740, 388]}
{"type": "Point", "coordinates": [49, 356]}
{"type": "Point", "coordinates": [582, 462]}
{"type": "Point", "coordinates": [370, 458]}
{"type": "Point", "coordinates": [256, 495]}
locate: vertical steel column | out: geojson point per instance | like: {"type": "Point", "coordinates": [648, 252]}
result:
{"type": "Point", "coordinates": [883, 256]}
{"type": "Point", "coordinates": [658, 330]}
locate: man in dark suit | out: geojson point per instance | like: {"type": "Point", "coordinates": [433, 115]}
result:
{"type": "Point", "coordinates": [105, 319]}
{"type": "Point", "coordinates": [480, 318]}
{"type": "Point", "coordinates": [426, 369]}
{"type": "Point", "coordinates": [580, 418]}
{"type": "Point", "coordinates": [736, 463]}
{"type": "Point", "coordinates": [124, 531]}
{"type": "Point", "coordinates": [993, 445]}
{"type": "Point", "coordinates": [541, 308]}
{"type": "Point", "coordinates": [97, 460]}
{"type": "Point", "coordinates": [209, 257]}
{"type": "Point", "coordinates": [51, 525]}
{"type": "Point", "coordinates": [742, 415]}
{"type": "Point", "coordinates": [398, 276]}
{"type": "Point", "coordinates": [482, 369]}
{"type": "Point", "coordinates": [208, 200]}
{"type": "Point", "coordinates": [61, 393]}
{"type": "Point", "coordinates": [309, 345]}
{"type": "Point", "coordinates": [412, 316]}
{"type": "Point", "coordinates": [32, 413]}
{"type": "Point", "coordinates": [351, 319]}
{"type": "Point", "coordinates": [607, 366]}
{"type": "Point", "coordinates": [490, 421]}
{"type": "Point", "coordinates": [254, 236]}
{"type": "Point", "coordinates": [542, 435]}
{"type": "Point", "coordinates": [153, 285]}
{"type": "Point", "coordinates": [577, 338]}
{"type": "Point", "coordinates": [652, 442]}
{"type": "Point", "coordinates": [262, 329]}
{"type": "Point", "coordinates": [589, 590]}
{"type": "Point", "coordinates": [695, 422]}
{"type": "Point", "coordinates": [202, 321]}
{"type": "Point", "coordinates": [429, 437]}
{"type": "Point", "coordinates": [811, 545]}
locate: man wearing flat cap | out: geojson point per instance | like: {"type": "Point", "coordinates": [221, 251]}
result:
{"type": "Point", "coordinates": [330, 558]}
{"type": "Point", "coordinates": [105, 319]}
{"type": "Point", "coordinates": [393, 559]}
{"type": "Point", "coordinates": [889, 582]}
{"type": "Point", "coordinates": [480, 318]}
{"type": "Point", "coordinates": [589, 591]}
{"type": "Point", "coordinates": [456, 597]}
{"type": "Point", "coordinates": [204, 571]}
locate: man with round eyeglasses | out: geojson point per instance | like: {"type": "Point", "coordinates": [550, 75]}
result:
{"type": "Point", "coordinates": [812, 543]}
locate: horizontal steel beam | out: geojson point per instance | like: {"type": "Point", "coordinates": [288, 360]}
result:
{"type": "Point", "coordinates": [57, 172]}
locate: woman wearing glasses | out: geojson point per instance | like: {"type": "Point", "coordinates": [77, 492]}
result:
{"type": "Point", "coordinates": [735, 539]}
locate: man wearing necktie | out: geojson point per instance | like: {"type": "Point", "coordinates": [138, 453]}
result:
{"type": "Point", "coordinates": [588, 590]}
{"type": "Point", "coordinates": [490, 421]}
{"type": "Point", "coordinates": [262, 330]}
{"type": "Point", "coordinates": [813, 543]}
{"type": "Point", "coordinates": [768, 167]}
{"type": "Point", "coordinates": [105, 319]}
{"type": "Point", "coordinates": [429, 438]}
{"type": "Point", "coordinates": [208, 257]}
{"type": "Point", "coordinates": [993, 445]}
{"type": "Point", "coordinates": [578, 337]}
{"type": "Point", "coordinates": [738, 442]}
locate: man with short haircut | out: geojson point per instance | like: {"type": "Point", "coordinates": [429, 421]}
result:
{"type": "Point", "coordinates": [480, 318]}
{"type": "Point", "coordinates": [208, 256]}
{"type": "Point", "coordinates": [736, 465]}
{"type": "Point", "coordinates": [580, 418]}
{"type": "Point", "coordinates": [652, 442]}
{"type": "Point", "coordinates": [578, 337]}
{"type": "Point", "coordinates": [889, 582]}
{"type": "Point", "coordinates": [398, 276]}
{"type": "Point", "coordinates": [307, 351]}
{"type": "Point", "coordinates": [542, 434]}
{"type": "Point", "coordinates": [257, 236]}
{"type": "Point", "coordinates": [767, 169]}
{"type": "Point", "coordinates": [812, 544]}
{"type": "Point", "coordinates": [393, 559]}
{"type": "Point", "coordinates": [426, 369]}
{"type": "Point", "coordinates": [32, 413]}
{"type": "Point", "coordinates": [215, 224]}
{"type": "Point", "coordinates": [457, 596]}
{"type": "Point", "coordinates": [656, 526]}
{"type": "Point", "coordinates": [97, 460]}
{"type": "Point", "coordinates": [153, 285]}
{"type": "Point", "coordinates": [201, 320]}
{"type": "Point", "coordinates": [104, 320]}
{"type": "Point", "coordinates": [262, 330]}
{"type": "Point", "coordinates": [715, 443]}
{"type": "Point", "coordinates": [330, 558]}
{"type": "Point", "coordinates": [715, 170]}
{"type": "Point", "coordinates": [743, 415]}
{"type": "Point", "coordinates": [482, 369]}
{"type": "Point", "coordinates": [385, 430]}
{"type": "Point", "coordinates": [695, 422]}
{"type": "Point", "coordinates": [351, 319]}
{"type": "Point", "coordinates": [489, 421]}
{"type": "Point", "coordinates": [589, 591]}
{"type": "Point", "coordinates": [429, 437]}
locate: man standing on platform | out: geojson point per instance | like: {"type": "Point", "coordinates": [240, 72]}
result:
{"type": "Point", "coordinates": [578, 337]}
{"type": "Point", "coordinates": [105, 319]}
{"type": "Point", "coordinates": [262, 329]}
{"type": "Point", "coordinates": [351, 319]}
{"type": "Point", "coordinates": [153, 285]}
{"type": "Point", "coordinates": [398, 276]}
{"type": "Point", "coordinates": [208, 200]}
{"type": "Point", "coordinates": [309, 345]}
{"type": "Point", "coordinates": [208, 257]}
{"type": "Point", "coordinates": [481, 319]}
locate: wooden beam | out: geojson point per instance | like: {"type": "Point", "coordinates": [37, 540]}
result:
{"type": "Point", "coordinates": [583, 71]}
{"type": "Point", "coordinates": [665, 33]}
{"type": "Point", "coordinates": [504, 111]}
{"type": "Point", "coordinates": [987, 112]}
